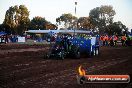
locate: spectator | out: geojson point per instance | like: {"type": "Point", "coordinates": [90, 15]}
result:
{"type": "Point", "coordinates": [123, 39]}
{"type": "Point", "coordinates": [115, 39]}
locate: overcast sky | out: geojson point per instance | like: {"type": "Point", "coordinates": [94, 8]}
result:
{"type": "Point", "coordinates": [51, 9]}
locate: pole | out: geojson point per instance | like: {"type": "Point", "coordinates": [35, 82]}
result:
{"type": "Point", "coordinates": [75, 15]}
{"type": "Point", "coordinates": [75, 7]}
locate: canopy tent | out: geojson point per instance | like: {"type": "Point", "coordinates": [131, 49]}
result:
{"type": "Point", "coordinates": [2, 33]}
{"type": "Point", "coordinates": [57, 31]}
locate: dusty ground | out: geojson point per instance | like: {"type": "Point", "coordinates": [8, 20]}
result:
{"type": "Point", "coordinates": [23, 66]}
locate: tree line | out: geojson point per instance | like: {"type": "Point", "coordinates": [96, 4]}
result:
{"type": "Point", "coordinates": [100, 20]}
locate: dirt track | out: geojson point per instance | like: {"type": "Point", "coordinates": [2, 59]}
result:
{"type": "Point", "coordinates": [28, 69]}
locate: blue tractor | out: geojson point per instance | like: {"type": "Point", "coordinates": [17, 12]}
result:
{"type": "Point", "coordinates": [74, 46]}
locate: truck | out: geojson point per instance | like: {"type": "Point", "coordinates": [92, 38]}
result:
{"type": "Point", "coordinates": [67, 45]}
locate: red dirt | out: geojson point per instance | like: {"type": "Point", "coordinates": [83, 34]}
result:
{"type": "Point", "coordinates": [28, 69]}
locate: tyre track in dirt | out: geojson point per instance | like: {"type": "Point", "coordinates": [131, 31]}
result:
{"type": "Point", "coordinates": [71, 74]}
{"type": "Point", "coordinates": [36, 69]}
{"type": "Point", "coordinates": [13, 59]}
{"type": "Point", "coordinates": [54, 78]}
{"type": "Point", "coordinates": [40, 73]}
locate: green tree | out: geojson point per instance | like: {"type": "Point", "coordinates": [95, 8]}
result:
{"type": "Point", "coordinates": [8, 21]}
{"type": "Point", "coordinates": [67, 19]}
{"type": "Point", "coordinates": [23, 19]}
{"type": "Point", "coordinates": [84, 23]}
{"type": "Point", "coordinates": [17, 19]}
{"type": "Point", "coordinates": [102, 16]}
{"type": "Point", "coordinates": [38, 23]}
{"type": "Point", "coordinates": [1, 27]}
{"type": "Point", "coordinates": [116, 28]}
{"type": "Point", "coordinates": [51, 26]}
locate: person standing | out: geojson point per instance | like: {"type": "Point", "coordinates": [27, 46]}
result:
{"type": "Point", "coordinates": [106, 40]}
{"type": "Point", "coordinates": [115, 39]}
{"type": "Point", "coordinates": [111, 43]}
{"type": "Point", "coordinates": [101, 40]}
{"type": "Point", "coordinates": [123, 39]}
